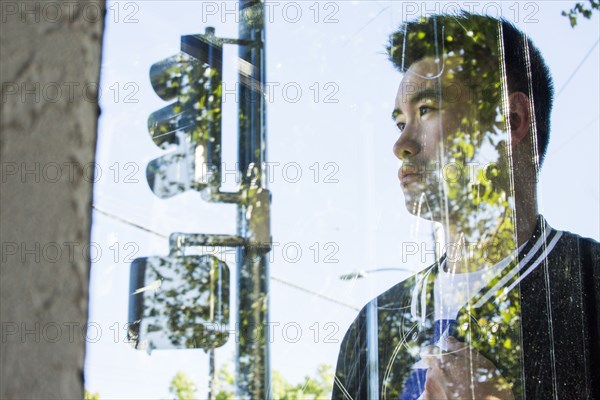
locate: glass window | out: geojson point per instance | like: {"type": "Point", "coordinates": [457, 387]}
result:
{"type": "Point", "coordinates": [261, 225]}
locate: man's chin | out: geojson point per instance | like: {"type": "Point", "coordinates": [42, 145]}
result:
{"type": "Point", "coordinates": [419, 205]}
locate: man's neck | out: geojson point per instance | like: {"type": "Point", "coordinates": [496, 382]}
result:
{"type": "Point", "coordinates": [469, 249]}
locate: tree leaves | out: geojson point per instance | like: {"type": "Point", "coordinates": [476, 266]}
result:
{"type": "Point", "coordinates": [580, 9]}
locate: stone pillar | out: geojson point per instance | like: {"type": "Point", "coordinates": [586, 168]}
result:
{"type": "Point", "coordinates": [49, 69]}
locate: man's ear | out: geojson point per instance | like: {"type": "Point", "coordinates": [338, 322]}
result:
{"type": "Point", "coordinates": [519, 116]}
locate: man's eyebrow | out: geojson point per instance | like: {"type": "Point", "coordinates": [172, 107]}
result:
{"type": "Point", "coordinates": [429, 93]}
{"type": "Point", "coordinates": [423, 94]}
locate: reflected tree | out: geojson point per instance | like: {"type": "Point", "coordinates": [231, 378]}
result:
{"type": "Point", "coordinates": [179, 302]}
{"type": "Point", "coordinates": [192, 124]}
{"type": "Point", "coordinates": [469, 182]}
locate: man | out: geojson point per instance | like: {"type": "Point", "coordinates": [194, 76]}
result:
{"type": "Point", "coordinates": [511, 311]}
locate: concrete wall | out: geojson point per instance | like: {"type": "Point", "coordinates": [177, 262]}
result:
{"type": "Point", "coordinates": [50, 51]}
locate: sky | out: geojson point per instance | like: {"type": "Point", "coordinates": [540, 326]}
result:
{"type": "Point", "coordinates": [337, 204]}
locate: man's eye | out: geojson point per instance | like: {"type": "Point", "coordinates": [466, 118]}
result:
{"type": "Point", "coordinates": [424, 110]}
{"type": "Point", "coordinates": [401, 126]}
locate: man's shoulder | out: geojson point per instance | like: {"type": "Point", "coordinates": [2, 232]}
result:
{"type": "Point", "coordinates": [562, 243]}
{"type": "Point", "coordinates": [574, 236]}
{"type": "Point", "coordinates": [572, 243]}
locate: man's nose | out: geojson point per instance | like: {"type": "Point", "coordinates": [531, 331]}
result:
{"type": "Point", "coordinates": [406, 146]}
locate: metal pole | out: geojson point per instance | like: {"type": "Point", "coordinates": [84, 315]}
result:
{"type": "Point", "coordinates": [372, 351]}
{"type": "Point", "coordinates": [211, 375]}
{"type": "Point", "coordinates": [252, 353]}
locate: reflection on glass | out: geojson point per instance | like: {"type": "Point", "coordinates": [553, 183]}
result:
{"type": "Point", "coordinates": [468, 182]}
{"type": "Point", "coordinates": [179, 302]}
{"type": "Point", "coordinates": [192, 124]}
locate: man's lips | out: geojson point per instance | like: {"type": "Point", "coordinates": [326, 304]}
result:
{"type": "Point", "coordinates": [407, 175]}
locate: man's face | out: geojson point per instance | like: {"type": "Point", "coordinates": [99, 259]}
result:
{"type": "Point", "coordinates": [433, 111]}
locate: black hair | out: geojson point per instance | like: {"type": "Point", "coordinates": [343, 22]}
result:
{"type": "Point", "coordinates": [476, 38]}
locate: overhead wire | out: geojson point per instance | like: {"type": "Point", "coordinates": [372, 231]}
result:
{"type": "Point", "coordinates": [279, 280]}
{"type": "Point", "coordinates": [577, 68]}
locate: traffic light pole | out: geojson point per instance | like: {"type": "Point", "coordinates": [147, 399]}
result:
{"type": "Point", "coordinates": [252, 358]}
{"type": "Point", "coordinates": [191, 125]}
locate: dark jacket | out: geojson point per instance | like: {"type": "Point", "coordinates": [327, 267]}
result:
{"type": "Point", "coordinates": [543, 334]}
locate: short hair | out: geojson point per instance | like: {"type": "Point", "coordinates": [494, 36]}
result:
{"type": "Point", "coordinates": [476, 38]}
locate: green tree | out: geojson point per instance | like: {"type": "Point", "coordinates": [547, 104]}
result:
{"type": "Point", "coordinates": [317, 387]}
{"type": "Point", "coordinates": [90, 396]}
{"type": "Point", "coordinates": [224, 384]}
{"type": "Point", "coordinates": [580, 9]}
{"type": "Point", "coordinates": [182, 387]}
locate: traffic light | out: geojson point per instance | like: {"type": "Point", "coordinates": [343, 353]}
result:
{"type": "Point", "coordinates": [182, 301]}
{"type": "Point", "coordinates": [178, 302]}
{"type": "Point", "coordinates": [190, 126]}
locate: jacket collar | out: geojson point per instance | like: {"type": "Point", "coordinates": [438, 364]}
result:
{"type": "Point", "coordinates": [531, 256]}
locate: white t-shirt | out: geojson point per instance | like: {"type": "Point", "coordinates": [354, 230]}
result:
{"type": "Point", "coordinates": [452, 291]}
